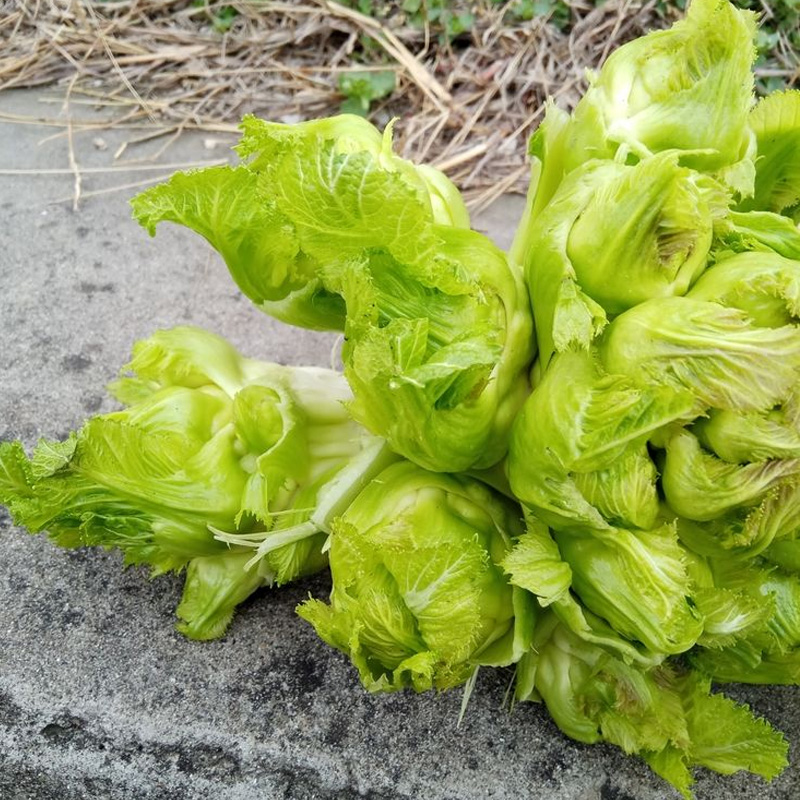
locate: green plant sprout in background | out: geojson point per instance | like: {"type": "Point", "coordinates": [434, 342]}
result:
{"type": "Point", "coordinates": [450, 19]}
{"type": "Point", "coordinates": [558, 11]}
{"type": "Point", "coordinates": [220, 16]}
{"type": "Point", "coordinates": [361, 88]}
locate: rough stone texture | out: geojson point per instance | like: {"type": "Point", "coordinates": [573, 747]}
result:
{"type": "Point", "coordinates": [99, 696]}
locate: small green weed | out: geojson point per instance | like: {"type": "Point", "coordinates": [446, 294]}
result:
{"type": "Point", "coordinates": [558, 11]}
{"type": "Point", "coordinates": [221, 17]}
{"type": "Point", "coordinates": [443, 16]}
{"type": "Point", "coordinates": [361, 88]}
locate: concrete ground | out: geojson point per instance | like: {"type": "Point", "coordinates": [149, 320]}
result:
{"type": "Point", "coordinates": [99, 696]}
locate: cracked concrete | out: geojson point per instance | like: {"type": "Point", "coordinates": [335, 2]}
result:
{"type": "Point", "coordinates": [99, 696]}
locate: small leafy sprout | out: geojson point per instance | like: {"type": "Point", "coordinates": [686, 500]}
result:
{"type": "Point", "coordinates": [438, 14]}
{"type": "Point", "coordinates": [221, 17]}
{"type": "Point", "coordinates": [557, 11]}
{"type": "Point", "coordinates": [361, 88]}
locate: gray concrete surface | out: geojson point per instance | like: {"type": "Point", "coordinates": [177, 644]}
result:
{"type": "Point", "coordinates": [99, 696]}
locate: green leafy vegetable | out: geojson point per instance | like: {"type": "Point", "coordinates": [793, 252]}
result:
{"type": "Point", "coordinates": [776, 124]}
{"type": "Point", "coordinates": [578, 449]}
{"type": "Point", "coordinates": [333, 230]}
{"type": "Point", "coordinates": [637, 580]}
{"type": "Point", "coordinates": [700, 486]}
{"type": "Point", "coordinates": [749, 530]}
{"type": "Point", "coordinates": [741, 232]}
{"type": "Point", "coordinates": [688, 88]}
{"type": "Point", "coordinates": [770, 651]}
{"type": "Point", "coordinates": [418, 597]}
{"type": "Point", "coordinates": [616, 235]}
{"type": "Point", "coordinates": [209, 440]}
{"type": "Point", "coordinates": [764, 285]}
{"type": "Point", "coordinates": [743, 436]}
{"type": "Point", "coordinates": [535, 563]}
{"type": "Point", "coordinates": [717, 353]}
{"type": "Point", "coordinates": [665, 714]}
{"type": "Point", "coordinates": [649, 540]}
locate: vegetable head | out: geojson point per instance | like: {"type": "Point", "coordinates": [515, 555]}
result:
{"type": "Point", "coordinates": [578, 454]}
{"type": "Point", "coordinates": [209, 440]}
{"type": "Point", "coordinates": [616, 235]}
{"type": "Point", "coordinates": [764, 285]}
{"type": "Point", "coordinates": [418, 597]}
{"type": "Point", "coordinates": [768, 528]}
{"type": "Point", "coordinates": [768, 651]}
{"type": "Point", "coordinates": [685, 91]}
{"type": "Point", "coordinates": [535, 563]}
{"type": "Point", "coordinates": [637, 581]}
{"type": "Point", "coordinates": [700, 486]}
{"type": "Point", "coordinates": [716, 353]}
{"type": "Point", "coordinates": [666, 713]}
{"type": "Point", "coordinates": [742, 232]}
{"type": "Point", "coordinates": [325, 227]}
{"type": "Point", "coordinates": [644, 232]}
{"type": "Point", "coordinates": [438, 372]}
{"type": "Point", "coordinates": [776, 124]}
{"type": "Point", "coordinates": [689, 88]}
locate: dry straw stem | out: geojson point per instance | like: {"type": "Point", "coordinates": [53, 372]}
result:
{"type": "Point", "coordinates": [467, 106]}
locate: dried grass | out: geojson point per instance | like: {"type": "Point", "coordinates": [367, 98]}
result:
{"type": "Point", "coordinates": [467, 106]}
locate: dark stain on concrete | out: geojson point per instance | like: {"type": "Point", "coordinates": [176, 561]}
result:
{"type": "Point", "coordinates": [610, 792]}
{"type": "Point", "coordinates": [336, 731]}
{"type": "Point", "coordinates": [70, 731]}
{"type": "Point", "coordinates": [204, 760]}
{"type": "Point", "coordinates": [90, 289]}
{"type": "Point", "coordinates": [303, 783]}
{"type": "Point", "coordinates": [10, 712]}
{"type": "Point", "coordinates": [209, 761]}
{"type": "Point", "coordinates": [91, 403]}
{"type": "Point", "coordinates": [23, 782]}
{"type": "Point", "coordinates": [76, 363]}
